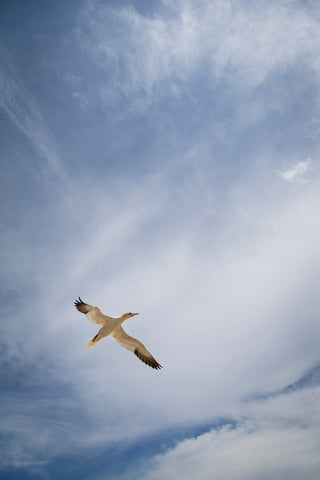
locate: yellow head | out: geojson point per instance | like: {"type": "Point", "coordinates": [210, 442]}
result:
{"type": "Point", "coordinates": [129, 315]}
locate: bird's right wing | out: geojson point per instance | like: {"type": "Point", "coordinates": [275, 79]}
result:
{"type": "Point", "coordinates": [136, 347]}
{"type": "Point", "coordinates": [93, 313]}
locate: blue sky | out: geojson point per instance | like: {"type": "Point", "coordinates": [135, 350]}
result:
{"type": "Point", "coordinates": [160, 157]}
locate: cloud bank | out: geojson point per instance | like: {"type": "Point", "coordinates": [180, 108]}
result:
{"type": "Point", "coordinates": [275, 437]}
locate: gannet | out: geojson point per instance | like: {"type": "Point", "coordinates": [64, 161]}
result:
{"type": "Point", "coordinates": [110, 325]}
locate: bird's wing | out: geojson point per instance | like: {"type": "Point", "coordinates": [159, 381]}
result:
{"type": "Point", "coordinates": [93, 313]}
{"type": "Point", "coordinates": [82, 307]}
{"type": "Point", "coordinates": [135, 346]}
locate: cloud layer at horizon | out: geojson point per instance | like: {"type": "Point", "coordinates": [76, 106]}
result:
{"type": "Point", "coordinates": [161, 159]}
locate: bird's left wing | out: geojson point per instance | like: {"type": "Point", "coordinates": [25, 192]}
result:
{"type": "Point", "coordinates": [136, 347]}
{"type": "Point", "coordinates": [93, 313]}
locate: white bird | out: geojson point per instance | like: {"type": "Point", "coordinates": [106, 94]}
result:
{"type": "Point", "coordinates": [110, 325]}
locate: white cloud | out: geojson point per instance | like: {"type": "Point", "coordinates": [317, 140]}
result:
{"type": "Point", "coordinates": [216, 294]}
{"type": "Point", "coordinates": [278, 437]}
{"type": "Point", "coordinates": [296, 172]}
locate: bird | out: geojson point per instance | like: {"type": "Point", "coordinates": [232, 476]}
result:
{"type": "Point", "coordinates": [110, 325]}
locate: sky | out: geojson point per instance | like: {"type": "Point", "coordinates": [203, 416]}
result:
{"type": "Point", "coordinates": [161, 158]}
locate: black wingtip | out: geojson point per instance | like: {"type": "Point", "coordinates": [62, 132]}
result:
{"type": "Point", "coordinates": [151, 362]}
{"type": "Point", "coordinates": [78, 302]}
{"type": "Point", "coordinates": [155, 365]}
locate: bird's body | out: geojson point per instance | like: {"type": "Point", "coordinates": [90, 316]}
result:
{"type": "Point", "coordinates": [110, 325]}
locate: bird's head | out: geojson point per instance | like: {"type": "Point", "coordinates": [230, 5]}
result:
{"type": "Point", "coordinates": [129, 315]}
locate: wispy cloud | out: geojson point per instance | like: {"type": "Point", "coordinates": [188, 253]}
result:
{"type": "Point", "coordinates": [24, 113]}
{"type": "Point", "coordinates": [242, 44]}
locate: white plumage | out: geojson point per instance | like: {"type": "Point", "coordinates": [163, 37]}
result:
{"type": "Point", "coordinates": [110, 325]}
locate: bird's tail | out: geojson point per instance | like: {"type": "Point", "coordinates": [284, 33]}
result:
{"type": "Point", "coordinates": [92, 342]}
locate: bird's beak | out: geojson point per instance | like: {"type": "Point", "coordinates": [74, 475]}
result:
{"type": "Point", "coordinates": [133, 314]}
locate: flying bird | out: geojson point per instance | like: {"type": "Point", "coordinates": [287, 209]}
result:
{"type": "Point", "coordinates": [110, 325]}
